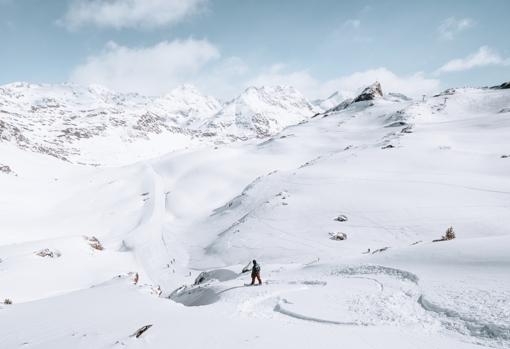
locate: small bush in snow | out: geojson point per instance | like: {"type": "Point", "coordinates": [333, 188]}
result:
{"type": "Point", "coordinates": [7, 301]}
{"type": "Point", "coordinates": [449, 235]}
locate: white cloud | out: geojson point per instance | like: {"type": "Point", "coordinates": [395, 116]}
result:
{"type": "Point", "coordinates": [148, 70]}
{"type": "Point", "coordinates": [349, 85]}
{"type": "Point", "coordinates": [224, 79]}
{"type": "Point", "coordinates": [483, 57]}
{"type": "Point", "coordinates": [129, 13]}
{"type": "Point", "coordinates": [157, 69]}
{"type": "Point", "coordinates": [276, 75]}
{"type": "Point", "coordinates": [353, 23]}
{"type": "Point", "coordinates": [451, 27]}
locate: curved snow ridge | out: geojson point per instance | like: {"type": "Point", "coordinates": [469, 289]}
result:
{"type": "Point", "coordinates": [377, 269]}
{"type": "Point", "coordinates": [280, 309]}
{"type": "Point", "coordinates": [379, 283]}
{"type": "Point", "coordinates": [475, 327]}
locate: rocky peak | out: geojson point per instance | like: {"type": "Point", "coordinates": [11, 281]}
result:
{"type": "Point", "coordinates": [370, 93]}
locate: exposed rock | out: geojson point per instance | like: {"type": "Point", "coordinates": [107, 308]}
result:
{"type": "Point", "coordinates": [341, 218]}
{"type": "Point", "coordinates": [141, 331]}
{"type": "Point", "coordinates": [46, 252]}
{"type": "Point", "coordinates": [6, 169]}
{"type": "Point", "coordinates": [503, 86]}
{"type": "Point", "coordinates": [397, 124]}
{"type": "Point", "coordinates": [407, 129]}
{"type": "Point", "coordinates": [370, 93]}
{"type": "Point", "coordinates": [94, 243]}
{"type": "Point", "coordinates": [379, 250]}
{"type": "Point", "coordinates": [338, 236]}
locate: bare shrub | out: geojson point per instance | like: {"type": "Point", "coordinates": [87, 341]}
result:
{"type": "Point", "coordinates": [449, 235]}
{"type": "Point", "coordinates": [7, 301]}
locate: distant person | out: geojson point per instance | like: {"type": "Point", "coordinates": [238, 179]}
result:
{"type": "Point", "coordinates": [255, 273]}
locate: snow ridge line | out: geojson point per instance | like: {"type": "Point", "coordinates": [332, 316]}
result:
{"type": "Point", "coordinates": [279, 309]}
{"type": "Point", "coordinates": [377, 269]}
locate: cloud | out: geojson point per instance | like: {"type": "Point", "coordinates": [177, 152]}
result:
{"type": "Point", "coordinates": [150, 70]}
{"type": "Point", "coordinates": [483, 57]}
{"type": "Point", "coordinates": [451, 27]}
{"type": "Point", "coordinates": [157, 69]}
{"type": "Point", "coordinates": [223, 79]}
{"type": "Point", "coordinates": [129, 13]}
{"type": "Point", "coordinates": [348, 85]}
{"type": "Point", "coordinates": [352, 23]}
{"type": "Point", "coordinates": [276, 75]}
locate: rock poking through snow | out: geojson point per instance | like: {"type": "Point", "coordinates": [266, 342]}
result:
{"type": "Point", "coordinates": [141, 331]}
{"type": "Point", "coordinates": [338, 236]}
{"type": "Point", "coordinates": [46, 252]}
{"type": "Point", "coordinates": [370, 93]}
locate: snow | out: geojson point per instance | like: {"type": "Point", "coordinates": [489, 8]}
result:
{"type": "Point", "coordinates": [275, 196]}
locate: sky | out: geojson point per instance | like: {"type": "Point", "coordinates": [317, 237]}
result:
{"type": "Point", "coordinates": [224, 46]}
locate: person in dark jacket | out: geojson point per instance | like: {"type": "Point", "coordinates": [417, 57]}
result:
{"type": "Point", "coordinates": [255, 273]}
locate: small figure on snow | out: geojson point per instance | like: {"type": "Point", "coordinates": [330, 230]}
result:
{"type": "Point", "coordinates": [255, 273]}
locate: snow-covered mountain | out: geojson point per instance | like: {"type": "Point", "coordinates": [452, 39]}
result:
{"type": "Point", "coordinates": [344, 212]}
{"type": "Point", "coordinates": [94, 125]}
{"type": "Point", "coordinates": [261, 112]}
{"type": "Point", "coordinates": [77, 123]}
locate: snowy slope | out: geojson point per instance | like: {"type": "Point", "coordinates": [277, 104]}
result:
{"type": "Point", "coordinates": [401, 171]}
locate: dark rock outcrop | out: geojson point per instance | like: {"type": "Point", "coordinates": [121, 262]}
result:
{"type": "Point", "coordinates": [370, 93]}
{"type": "Point", "coordinates": [503, 86]}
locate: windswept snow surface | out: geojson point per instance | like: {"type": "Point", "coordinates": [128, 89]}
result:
{"type": "Point", "coordinates": [400, 171]}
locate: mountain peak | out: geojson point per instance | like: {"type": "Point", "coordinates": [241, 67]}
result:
{"type": "Point", "coordinates": [370, 92]}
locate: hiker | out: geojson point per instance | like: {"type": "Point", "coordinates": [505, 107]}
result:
{"type": "Point", "coordinates": [255, 273]}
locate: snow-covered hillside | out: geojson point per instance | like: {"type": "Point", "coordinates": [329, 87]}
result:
{"type": "Point", "coordinates": [390, 173]}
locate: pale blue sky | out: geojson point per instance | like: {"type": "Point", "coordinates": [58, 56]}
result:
{"type": "Point", "coordinates": [317, 45]}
